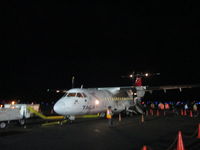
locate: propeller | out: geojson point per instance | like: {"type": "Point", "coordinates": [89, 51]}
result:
{"type": "Point", "coordinates": [134, 74]}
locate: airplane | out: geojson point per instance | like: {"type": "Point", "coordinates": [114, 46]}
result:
{"type": "Point", "coordinates": [84, 101]}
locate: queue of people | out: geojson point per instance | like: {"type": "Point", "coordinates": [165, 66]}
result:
{"type": "Point", "coordinates": [174, 107]}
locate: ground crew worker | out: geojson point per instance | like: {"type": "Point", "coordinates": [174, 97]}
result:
{"type": "Point", "coordinates": [109, 115]}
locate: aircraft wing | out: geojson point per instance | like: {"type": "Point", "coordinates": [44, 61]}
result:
{"type": "Point", "coordinates": [155, 88]}
{"type": "Point", "coordinates": [171, 87]}
{"type": "Point", "coordinates": [140, 88]}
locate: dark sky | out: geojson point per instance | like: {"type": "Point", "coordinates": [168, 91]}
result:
{"type": "Point", "coordinates": [45, 43]}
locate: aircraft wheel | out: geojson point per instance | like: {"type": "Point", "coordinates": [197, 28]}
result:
{"type": "Point", "coordinates": [2, 125]}
{"type": "Point", "coordinates": [127, 113]}
{"type": "Point", "coordinates": [60, 123]}
{"type": "Point", "coordinates": [102, 115]}
{"type": "Point", "coordinates": [22, 122]}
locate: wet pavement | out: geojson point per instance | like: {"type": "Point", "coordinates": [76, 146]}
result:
{"type": "Point", "coordinates": [157, 132]}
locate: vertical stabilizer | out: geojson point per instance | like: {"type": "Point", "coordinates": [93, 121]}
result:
{"type": "Point", "coordinates": [138, 81]}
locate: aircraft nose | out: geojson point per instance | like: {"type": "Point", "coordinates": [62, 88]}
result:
{"type": "Point", "coordinates": [60, 108]}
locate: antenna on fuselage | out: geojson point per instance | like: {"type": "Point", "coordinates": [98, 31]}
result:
{"type": "Point", "coordinates": [73, 82]}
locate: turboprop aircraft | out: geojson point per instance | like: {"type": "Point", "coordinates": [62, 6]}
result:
{"type": "Point", "coordinates": [83, 101]}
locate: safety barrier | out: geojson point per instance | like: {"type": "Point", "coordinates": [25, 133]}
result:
{"type": "Point", "coordinates": [178, 144]}
{"type": "Point", "coordinates": [181, 112]}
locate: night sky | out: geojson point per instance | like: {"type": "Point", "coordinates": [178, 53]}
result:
{"type": "Point", "coordinates": [45, 43]}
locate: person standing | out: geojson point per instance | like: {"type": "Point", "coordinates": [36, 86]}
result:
{"type": "Point", "coordinates": [161, 107]}
{"type": "Point", "coordinates": [195, 109]}
{"type": "Point", "coordinates": [109, 115]}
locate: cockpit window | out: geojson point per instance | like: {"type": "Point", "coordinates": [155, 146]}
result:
{"type": "Point", "coordinates": [79, 95]}
{"type": "Point", "coordinates": [71, 94]}
{"type": "Point", "coordinates": [84, 95]}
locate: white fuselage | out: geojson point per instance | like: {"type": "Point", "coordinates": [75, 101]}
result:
{"type": "Point", "coordinates": [92, 101]}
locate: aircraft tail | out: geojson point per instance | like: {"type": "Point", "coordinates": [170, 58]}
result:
{"type": "Point", "coordinates": [138, 81]}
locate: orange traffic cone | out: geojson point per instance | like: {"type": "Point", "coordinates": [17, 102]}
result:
{"type": "Point", "coordinates": [144, 147]}
{"type": "Point", "coordinates": [185, 113]}
{"type": "Point", "coordinates": [180, 145]}
{"type": "Point", "coordinates": [151, 110]}
{"type": "Point", "coordinates": [198, 136]}
{"type": "Point", "coordinates": [157, 112]}
{"type": "Point", "coordinates": [191, 113]}
{"type": "Point", "coordinates": [181, 112]}
{"type": "Point", "coordinates": [147, 113]}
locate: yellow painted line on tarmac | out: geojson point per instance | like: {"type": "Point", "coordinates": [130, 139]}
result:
{"type": "Point", "coordinates": [55, 117]}
{"type": "Point", "coordinates": [54, 123]}
{"type": "Point", "coordinates": [88, 116]}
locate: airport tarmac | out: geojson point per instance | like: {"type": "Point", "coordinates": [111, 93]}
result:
{"type": "Point", "coordinates": [157, 132]}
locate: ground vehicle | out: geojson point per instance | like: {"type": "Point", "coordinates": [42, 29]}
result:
{"type": "Point", "coordinates": [14, 113]}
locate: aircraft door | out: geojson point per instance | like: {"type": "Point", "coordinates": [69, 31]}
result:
{"type": "Point", "coordinates": [84, 103]}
